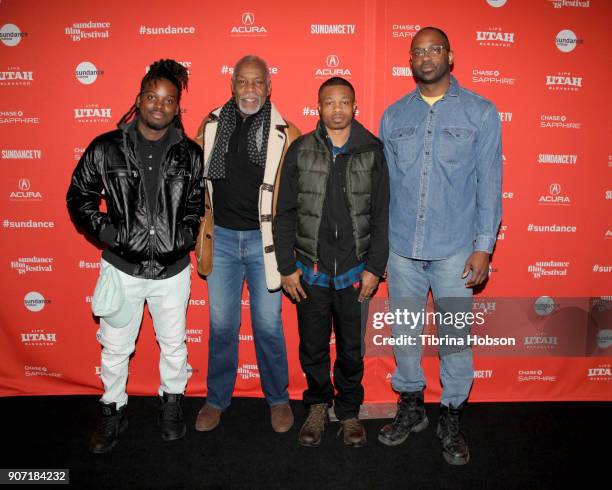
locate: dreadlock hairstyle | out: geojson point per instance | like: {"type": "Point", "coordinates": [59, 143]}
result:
{"type": "Point", "coordinates": [169, 70]}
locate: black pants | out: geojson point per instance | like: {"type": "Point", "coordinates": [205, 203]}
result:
{"type": "Point", "coordinates": [315, 314]}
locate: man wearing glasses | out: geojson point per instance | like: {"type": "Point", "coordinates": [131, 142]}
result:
{"type": "Point", "coordinates": [443, 148]}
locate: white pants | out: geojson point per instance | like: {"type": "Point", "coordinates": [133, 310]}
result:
{"type": "Point", "coordinates": [167, 300]}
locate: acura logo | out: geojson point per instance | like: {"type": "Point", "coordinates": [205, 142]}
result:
{"type": "Point", "coordinates": [555, 189]}
{"type": "Point", "coordinates": [332, 61]}
{"type": "Point", "coordinates": [248, 18]}
{"type": "Point", "coordinates": [24, 185]}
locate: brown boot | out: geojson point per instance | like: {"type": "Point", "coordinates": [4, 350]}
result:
{"type": "Point", "coordinates": [281, 417]}
{"type": "Point", "coordinates": [354, 432]}
{"type": "Point", "coordinates": [208, 418]}
{"type": "Point", "coordinates": [312, 430]}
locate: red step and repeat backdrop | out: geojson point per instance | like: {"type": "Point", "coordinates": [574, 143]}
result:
{"type": "Point", "coordinates": [70, 69]}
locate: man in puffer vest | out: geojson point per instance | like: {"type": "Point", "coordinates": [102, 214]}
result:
{"type": "Point", "coordinates": [330, 238]}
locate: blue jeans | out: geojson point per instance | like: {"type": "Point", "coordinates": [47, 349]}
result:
{"type": "Point", "coordinates": [239, 254]}
{"type": "Point", "coordinates": [409, 281]}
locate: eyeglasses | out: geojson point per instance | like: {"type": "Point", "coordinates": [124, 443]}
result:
{"type": "Point", "coordinates": [434, 50]}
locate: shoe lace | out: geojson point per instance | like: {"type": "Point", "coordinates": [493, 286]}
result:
{"type": "Point", "coordinates": [454, 433]}
{"type": "Point", "coordinates": [316, 417]}
{"type": "Point", "coordinates": [351, 425]}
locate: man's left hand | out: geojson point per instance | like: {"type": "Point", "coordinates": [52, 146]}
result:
{"type": "Point", "coordinates": [478, 265]}
{"type": "Point", "coordinates": [369, 282]}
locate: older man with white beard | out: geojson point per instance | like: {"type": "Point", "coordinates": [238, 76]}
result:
{"type": "Point", "coordinates": [244, 144]}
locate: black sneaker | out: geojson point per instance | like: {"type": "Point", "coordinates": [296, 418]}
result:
{"type": "Point", "coordinates": [410, 417]}
{"type": "Point", "coordinates": [454, 447]}
{"type": "Point", "coordinates": [171, 417]}
{"type": "Point", "coordinates": [112, 422]}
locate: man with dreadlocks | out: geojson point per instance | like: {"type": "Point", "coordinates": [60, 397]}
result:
{"type": "Point", "coordinates": [150, 175]}
{"type": "Point", "coordinates": [244, 144]}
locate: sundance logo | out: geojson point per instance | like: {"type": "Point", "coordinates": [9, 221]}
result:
{"type": "Point", "coordinates": [567, 41]}
{"type": "Point", "coordinates": [554, 197]}
{"type": "Point", "coordinates": [10, 35]}
{"type": "Point", "coordinates": [495, 37]}
{"type": "Point", "coordinates": [333, 68]}
{"type": "Point", "coordinates": [544, 305]}
{"type": "Point", "coordinates": [248, 27]}
{"type": "Point", "coordinates": [35, 302]}
{"type": "Point", "coordinates": [23, 265]}
{"type": "Point", "coordinates": [87, 73]}
{"type": "Point", "coordinates": [563, 81]}
{"type": "Point", "coordinates": [93, 114]}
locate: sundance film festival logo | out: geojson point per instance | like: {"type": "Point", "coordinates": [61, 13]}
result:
{"type": "Point", "coordinates": [548, 268]}
{"type": "Point", "coordinates": [248, 371]}
{"type": "Point", "coordinates": [21, 154]}
{"type": "Point", "coordinates": [501, 234]}
{"type": "Point", "coordinates": [17, 117]}
{"type": "Point", "coordinates": [558, 4]}
{"type": "Point", "coordinates": [38, 337]}
{"type": "Point", "coordinates": [87, 73]}
{"type": "Point", "coordinates": [35, 302]}
{"type": "Point", "coordinates": [88, 30]}
{"type": "Point", "coordinates": [557, 158]}
{"type": "Point", "coordinates": [563, 81]}
{"type": "Point", "coordinates": [24, 265]}
{"type": "Point", "coordinates": [604, 338]}
{"type": "Point", "coordinates": [194, 335]}
{"type": "Point", "coordinates": [495, 37]}
{"type": "Point", "coordinates": [405, 30]}
{"type": "Point", "coordinates": [555, 197]}
{"type": "Point", "coordinates": [332, 29]}
{"type": "Point", "coordinates": [10, 35]}
{"type": "Point", "coordinates": [332, 68]}
{"type": "Point", "coordinates": [249, 27]}
{"type": "Point", "coordinates": [24, 192]}
{"type": "Point", "coordinates": [491, 77]}
{"type": "Point", "coordinates": [567, 41]}
{"type": "Point", "coordinates": [93, 114]}
{"type": "Point", "coordinates": [15, 76]}
{"type": "Point", "coordinates": [401, 71]}
{"type": "Point", "coordinates": [603, 372]}
{"type": "Point", "coordinates": [558, 121]}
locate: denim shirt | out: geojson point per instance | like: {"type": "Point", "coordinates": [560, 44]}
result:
{"type": "Point", "coordinates": [445, 169]}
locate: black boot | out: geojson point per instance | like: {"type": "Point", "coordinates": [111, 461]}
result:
{"type": "Point", "coordinates": [171, 417]}
{"type": "Point", "coordinates": [454, 448]}
{"type": "Point", "coordinates": [111, 424]}
{"type": "Point", "coordinates": [410, 417]}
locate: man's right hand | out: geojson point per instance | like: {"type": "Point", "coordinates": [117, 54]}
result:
{"type": "Point", "coordinates": [291, 285]}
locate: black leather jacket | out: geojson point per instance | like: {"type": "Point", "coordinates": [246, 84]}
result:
{"type": "Point", "coordinates": [140, 244]}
